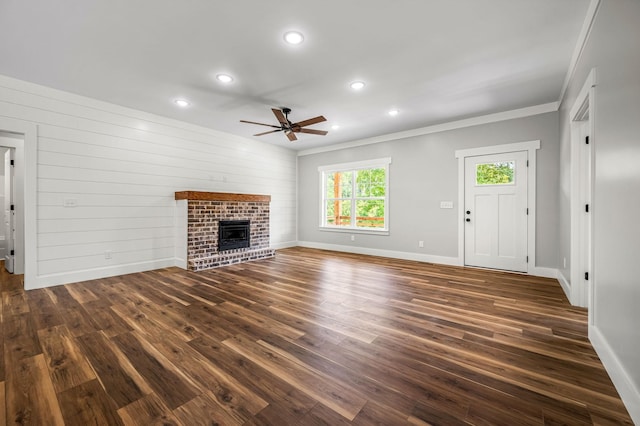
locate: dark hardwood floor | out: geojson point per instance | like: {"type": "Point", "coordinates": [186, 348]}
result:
{"type": "Point", "coordinates": [309, 337]}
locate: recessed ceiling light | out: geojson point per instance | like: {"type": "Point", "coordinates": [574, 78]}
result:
{"type": "Point", "coordinates": [182, 103]}
{"type": "Point", "coordinates": [394, 112]}
{"type": "Point", "coordinates": [293, 37]}
{"type": "Point", "coordinates": [224, 78]}
{"type": "Point", "coordinates": [357, 85]}
{"type": "Point", "coordinates": [335, 127]}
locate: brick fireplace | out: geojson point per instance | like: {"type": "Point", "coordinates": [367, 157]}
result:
{"type": "Point", "coordinates": [199, 214]}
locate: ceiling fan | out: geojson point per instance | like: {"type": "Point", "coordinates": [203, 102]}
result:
{"type": "Point", "coordinates": [289, 128]}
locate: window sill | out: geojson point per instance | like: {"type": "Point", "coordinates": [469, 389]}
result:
{"type": "Point", "coordinates": [355, 230]}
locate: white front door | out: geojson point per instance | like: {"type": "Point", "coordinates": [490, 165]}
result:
{"type": "Point", "coordinates": [495, 211]}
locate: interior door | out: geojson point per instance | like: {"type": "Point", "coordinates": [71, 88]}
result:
{"type": "Point", "coordinates": [496, 211]}
{"type": "Point", "coordinates": [9, 213]}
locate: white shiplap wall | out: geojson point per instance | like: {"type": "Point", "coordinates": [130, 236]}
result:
{"type": "Point", "coordinates": [123, 166]}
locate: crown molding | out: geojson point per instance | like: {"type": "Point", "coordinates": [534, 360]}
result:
{"type": "Point", "coordinates": [587, 25]}
{"type": "Point", "coordinates": [453, 125]}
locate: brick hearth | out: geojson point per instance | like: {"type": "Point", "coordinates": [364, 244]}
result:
{"type": "Point", "coordinates": [206, 209]}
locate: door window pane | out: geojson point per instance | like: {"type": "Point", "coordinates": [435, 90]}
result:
{"type": "Point", "coordinates": [495, 173]}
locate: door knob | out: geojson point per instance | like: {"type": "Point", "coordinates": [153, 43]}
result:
{"type": "Point", "coordinates": [468, 220]}
{"type": "Point", "coordinates": [468, 211]}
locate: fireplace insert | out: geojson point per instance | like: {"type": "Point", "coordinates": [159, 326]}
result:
{"type": "Point", "coordinates": [233, 234]}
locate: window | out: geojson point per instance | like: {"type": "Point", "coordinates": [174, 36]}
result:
{"type": "Point", "coordinates": [495, 173]}
{"type": "Point", "coordinates": [355, 196]}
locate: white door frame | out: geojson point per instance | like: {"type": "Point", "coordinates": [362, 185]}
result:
{"type": "Point", "coordinates": [581, 257]}
{"type": "Point", "coordinates": [26, 196]}
{"type": "Point", "coordinates": [531, 147]}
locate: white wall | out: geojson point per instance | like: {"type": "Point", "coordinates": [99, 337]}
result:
{"type": "Point", "coordinates": [122, 167]}
{"type": "Point", "coordinates": [423, 172]}
{"type": "Point", "coordinates": [613, 48]}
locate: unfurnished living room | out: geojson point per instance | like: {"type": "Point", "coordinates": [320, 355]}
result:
{"type": "Point", "coordinates": [305, 213]}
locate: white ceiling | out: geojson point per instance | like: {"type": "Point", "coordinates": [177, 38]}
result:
{"type": "Point", "coordinates": [434, 60]}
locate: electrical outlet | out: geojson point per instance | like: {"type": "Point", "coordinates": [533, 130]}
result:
{"type": "Point", "coordinates": [446, 204]}
{"type": "Point", "coordinates": [353, 238]}
{"type": "Point", "coordinates": [564, 262]}
{"type": "Point", "coordinates": [108, 254]}
{"type": "Point", "coordinates": [421, 244]}
{"type": "Point", "coordinates": [70, 202]}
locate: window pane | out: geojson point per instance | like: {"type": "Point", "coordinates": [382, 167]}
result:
{"type": "Point", "coordinates": [495, 173]}
{"type": "Point", "coordinates": [370, 214]}
{"type": "Point", "coordinates": [338, 213]}
{"type": "Point", "coordinates": [339, 184]}
{"type": "Point", "coordinates": [371, 183]}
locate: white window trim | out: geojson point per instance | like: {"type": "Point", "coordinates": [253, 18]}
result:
{"type": "Point", "coordinates": [355, 165]}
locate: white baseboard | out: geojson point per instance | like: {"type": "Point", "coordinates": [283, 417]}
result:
{"type": "Point", "coordinates": [541, 271]}
{"type": "Point", "coordinates": [286, 244]}
{"type": "Point", "coordinates": [443, 260]}
{"type": "Point", "coordinates": [564, 283]}
{"type": "Point", "coordinates": [629, 393]}
{"type": "Point", "coordinates": [51, 280]}
{"type": "Point", "coordinates": [180, 263]}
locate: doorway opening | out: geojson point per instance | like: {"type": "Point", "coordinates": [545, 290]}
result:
{"type": "Point", "coordinates": [582, 206]}
{"type": "Point", "coordinates": [7, 190]}
{"type": "Point", "coordinates": [22, 137]}
{"type": "Point", "coordinates": [12, 240]}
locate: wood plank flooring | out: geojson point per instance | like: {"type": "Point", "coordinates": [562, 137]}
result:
{"type": "Point", "coordinates": [310, 337]}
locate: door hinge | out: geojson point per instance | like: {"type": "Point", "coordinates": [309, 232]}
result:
{"type": "Point", "coordinates": [12, 207]}
{"type": "Point", "coordinates": [527, 210]}
{"type": "Point", "coordinates": [527, 163]}
{"type": "Point", "coordinates": [12, 163]}
{"type": "Point", "coordinates": [586, 208]}
{"type": "Point", "coordinates": [586, 140]}
{"type": "Point", "coordinates": [527, 259]}
{"type": "Point", "coordinates": [12, 252]}
{"type": "Point", "coordinates": [586, 276]}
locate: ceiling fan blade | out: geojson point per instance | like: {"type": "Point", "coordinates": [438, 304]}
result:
{"type": "Point", "coordinates": [266, 133]}
{"type": "Point", "coordinates": [309, 122]}
{"type": "Point", "coordinates": [280, 116]}
{"type": "Point", "coordinates": [312, 131]}
{"type": "Point", "coordinates": [292, 136]}
{"type": "Point", "coordinates": [261, 124]}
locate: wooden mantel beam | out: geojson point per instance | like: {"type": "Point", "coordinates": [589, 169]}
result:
{"type": "Point", "coordinates": [221, 196]}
